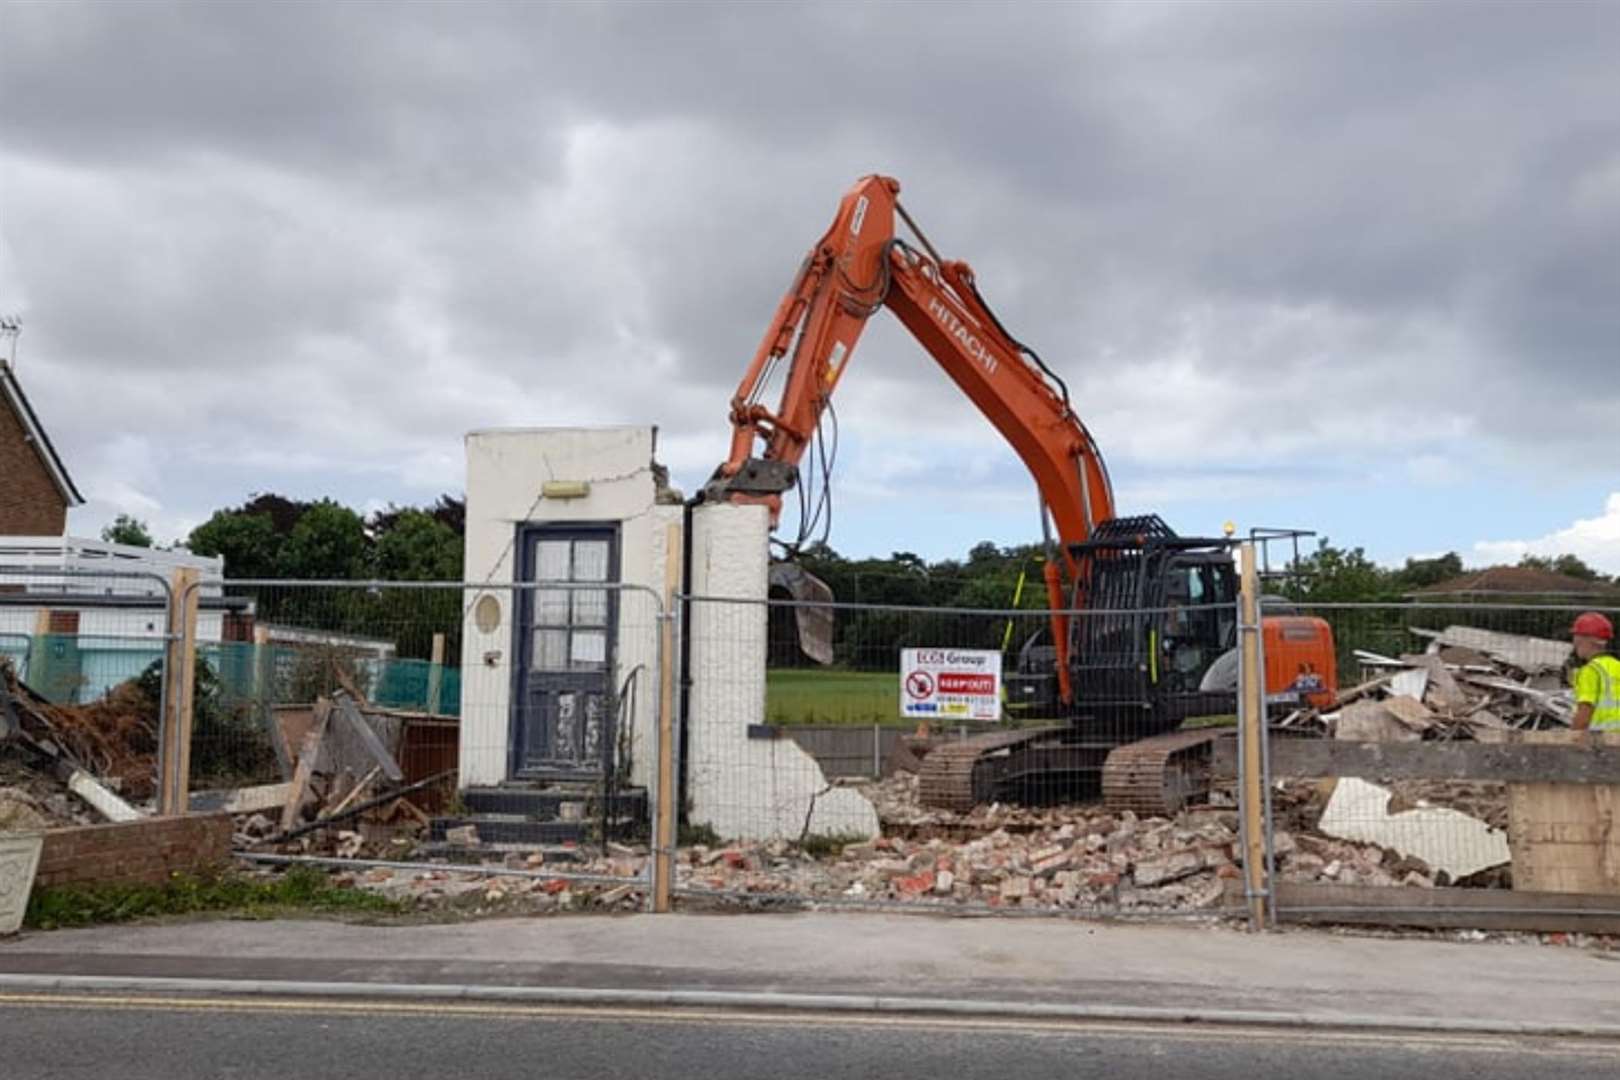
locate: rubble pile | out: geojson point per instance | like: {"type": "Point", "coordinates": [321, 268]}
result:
{"type": "Point", "coordinates": [1467, 684]}
{"type": "Point", "coordinates": [113, 739]}
{"type": "Point", "coordinates": [1066, 857]}
{"type": "Point", "coordinates": [347, 794]}
{"type": "Point", "coordinates": [86, 764]}
{"type": "Point", "coordinates": [532, 882]}
{"type": "Point", "coordinates": [30, 801]}
{"type": "Point", "coordinates": [48, 752]}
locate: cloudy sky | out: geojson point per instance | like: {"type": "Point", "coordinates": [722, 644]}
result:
{"type": "Point", "coordinates": [1353, 268]}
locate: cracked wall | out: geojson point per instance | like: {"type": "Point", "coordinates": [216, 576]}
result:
{"type": "Point", "coordinates": [506, 474]}
{"type": "Point", "coordinates": [747, 788]}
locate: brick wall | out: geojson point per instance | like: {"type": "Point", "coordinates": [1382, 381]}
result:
{"type": "Point", "coordinates": [134, 852]}
{"type": "Point", "coordinates": [30, 503]}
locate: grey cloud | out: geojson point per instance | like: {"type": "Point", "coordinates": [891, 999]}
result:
{"type": "Point", "coordinates": [363, 229]}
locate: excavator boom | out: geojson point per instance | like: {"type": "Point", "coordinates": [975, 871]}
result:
{"type": "Point", "coordinates": [858, 266]}
{"type": "Point", "coordinates": [1133, 574]}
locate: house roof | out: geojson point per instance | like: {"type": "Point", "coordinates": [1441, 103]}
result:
{"type": "Point", "coordinates": [11, 390]}
{"type": "Point", "coordinates": [1518, 581]}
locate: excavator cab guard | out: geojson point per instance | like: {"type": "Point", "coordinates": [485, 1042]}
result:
{"type": "Point", "coordinates": [1153, 613]}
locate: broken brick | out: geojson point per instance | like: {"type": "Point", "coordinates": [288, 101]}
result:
{"type": "Point", "coordinates": [917, 884]}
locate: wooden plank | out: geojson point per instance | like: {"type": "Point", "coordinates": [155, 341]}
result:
{"type": "Point", "coordinates": [190, 601]}
{"type": "Point", "coordinates": [264, 695]}
{"type": "Point", "coordinates": [1448, 908]}
{"type": "Point", "coordinates": [179, 670]}
{"type": "Point", "coordinates": [1585, 760]}
{"type": "Point", "coordinates": [435, 686]}
{"type": "Point", "coordinates": [349, 713]}
{"type": "Point", "coordinates": [1560, 835]}
{"type": "Point", "coordinates": [292, 723]}
{"type": "Point", "coordinates": [1361, 690]}
{"type": "Point", "coordinates": [396, 798]}
{"type": "Point", "coordinates": [1563, 835]}
{"type": "Point", "coordinates": [354, 793]}
{"type": "Point", "coordinates": [307, 754]}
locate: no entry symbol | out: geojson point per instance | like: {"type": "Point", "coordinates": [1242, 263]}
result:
{"type": "Point", "coordinates": [919, 685]}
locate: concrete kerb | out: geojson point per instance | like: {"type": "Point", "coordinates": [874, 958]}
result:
{"type": "Point", "coordinates": [45, 985]}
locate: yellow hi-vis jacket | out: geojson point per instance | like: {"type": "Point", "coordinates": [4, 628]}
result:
{"type": "Point", "coordinates": [1597, 684]}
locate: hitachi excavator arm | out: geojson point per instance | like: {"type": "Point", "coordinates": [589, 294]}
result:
{"type": "Point", "coordinates": [859, 266]}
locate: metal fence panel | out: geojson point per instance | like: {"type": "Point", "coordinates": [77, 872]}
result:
{"type": "Point", "coordinates": [91, 644]}
{"type": "Point", "coordinates": [530, 707]}
{"type": "Point", "coordinates": [781, 807]}
{"type": "Point", "coordinates": [1444, 786]}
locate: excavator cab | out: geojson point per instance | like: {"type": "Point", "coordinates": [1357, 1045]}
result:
{"type": "Point", "coordinates": [1153, 613]}
{"type": "Point", "coordinates": [1199, 620]}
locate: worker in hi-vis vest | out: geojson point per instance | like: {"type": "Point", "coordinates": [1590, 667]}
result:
{"type": "Point", "coordinates": [1597, 680]}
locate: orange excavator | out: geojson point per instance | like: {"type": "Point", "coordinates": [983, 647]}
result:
{"type": "Point", "coordinates": [1140, 619]}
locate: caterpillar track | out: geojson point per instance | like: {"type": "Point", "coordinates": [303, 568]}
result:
{"type": "Point", "coordinates": [961, 775]}
{"type": "Point", "coordinates": [1161, 776]}
{"type": "Point", "coordinates": [1155, 777]}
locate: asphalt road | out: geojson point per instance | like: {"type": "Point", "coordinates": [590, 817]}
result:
{"type": "Point", "coordinates": [188, 1039]}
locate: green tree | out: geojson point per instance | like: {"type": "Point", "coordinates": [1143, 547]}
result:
{"type": "Point", "coordinates": [328, 541]}
{"type": "Point", "coordinates": [282, 511]}
{"type": "Point", "coordinates": [417, 546]}
{"type": "Point", "coordinates": [127, 530]}
{"type": "Point", "coordinates": [447, 510]}
{"type": "Point", "coordinates": [1568, 565]}
{"type": "Point", "coordinates": [1343, 575]}
{"type": "Point", "coordinates": [248, 543]}
{"type": "Point", "coordinates": [1421, 573]}
{"type": "Point", "coordinates": [984, 553]}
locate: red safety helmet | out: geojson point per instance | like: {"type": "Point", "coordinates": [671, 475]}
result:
{"type": "Point", "coordinates": [1592, 624]}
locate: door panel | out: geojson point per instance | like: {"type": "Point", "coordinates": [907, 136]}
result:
{"type": "Point", "coordinates": [564, 705]}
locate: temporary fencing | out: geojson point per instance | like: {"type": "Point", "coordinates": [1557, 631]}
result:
{"type": "Point", "coordinates": [1433, 779]}
{"type": "Point", "coordinates": [1444, 786]}
{"type": "Point", "coordinates": [776, 812]}
{"type": "Point", "coordinates": [88, 649]}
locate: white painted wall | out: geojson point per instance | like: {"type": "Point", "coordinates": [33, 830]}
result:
{"type": "Point", "coordinates": [741, 787]}
{"type": "Point", "coordinates": [747, 788]}
{"type": "Point", "coordinates": [505, 472]}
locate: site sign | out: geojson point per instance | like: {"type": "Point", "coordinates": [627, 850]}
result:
{"type": "Point", "coordinates": [950, 684]}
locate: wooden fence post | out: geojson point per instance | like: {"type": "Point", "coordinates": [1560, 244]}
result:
{"type": "Point", "coordinates": [435, 685]}
{"type": "Point", "coordinates": [179, 672]}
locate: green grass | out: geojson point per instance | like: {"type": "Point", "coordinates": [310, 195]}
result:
{"type": "Point", "coordinates": [1193, 723]}
{"type": "Point", "coordinates": [301, 889]}
{"type": "Point", "coordinates": [810, 696]}
{"type": "Point", "coordinates": [830, 696]}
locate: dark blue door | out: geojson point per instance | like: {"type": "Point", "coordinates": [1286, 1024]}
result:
{"type": "Point", "coordinates": [563, 714]}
